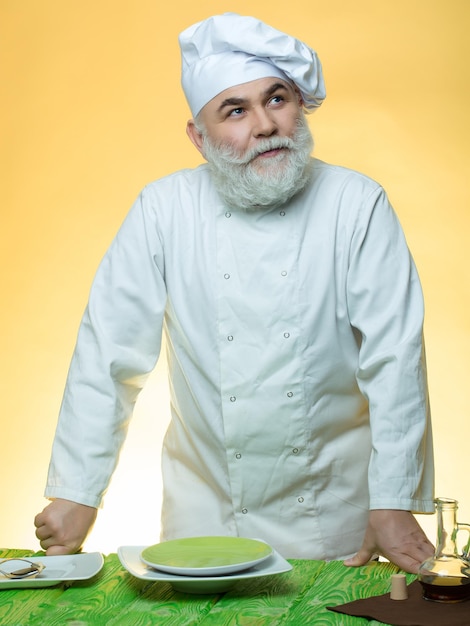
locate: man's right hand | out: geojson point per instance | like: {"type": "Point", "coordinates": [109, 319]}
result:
{"type": "Point", "coordinates": [63, 526]}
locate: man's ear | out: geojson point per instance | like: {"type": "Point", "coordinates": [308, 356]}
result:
{"type": "Point", "coordinates": [195, 135]}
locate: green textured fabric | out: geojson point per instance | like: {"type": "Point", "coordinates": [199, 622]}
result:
{"type": "Point", "coordinates": [115, 598]}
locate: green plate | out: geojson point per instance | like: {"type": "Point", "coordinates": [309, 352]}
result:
{"type": "Point", "coordinates": [206, 556]}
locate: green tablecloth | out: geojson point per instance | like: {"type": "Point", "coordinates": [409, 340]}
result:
{"type": "Point", "coordinates": [114, 597]}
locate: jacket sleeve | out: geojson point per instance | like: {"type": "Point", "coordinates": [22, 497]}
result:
{"type": "Point", "coordinates": [385, 306]}
{"type": "Point", "coordinates": [117, 347]}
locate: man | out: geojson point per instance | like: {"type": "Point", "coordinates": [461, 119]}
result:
{"type": "Point", "coordinates": [293, 315]}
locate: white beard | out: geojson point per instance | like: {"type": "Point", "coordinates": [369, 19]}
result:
{"type": "Point", "coordinates": [250, 186]}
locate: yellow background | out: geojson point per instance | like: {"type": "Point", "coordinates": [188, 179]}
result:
{"type": "Point", "coordinates": [92, 110]}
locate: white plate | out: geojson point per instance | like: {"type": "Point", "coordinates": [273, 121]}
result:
{"type": "Point", "coordinates": [206, 556]}
{"type": "Point", "coordinates": [58, 569]}
{"type": "Point", "coordinates": [131, 561]}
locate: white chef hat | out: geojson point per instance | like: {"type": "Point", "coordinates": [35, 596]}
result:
{"type": "Point", "coordinates": [230, 49]}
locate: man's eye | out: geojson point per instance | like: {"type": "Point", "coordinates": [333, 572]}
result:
{"type": "Point", "coordinates": [236, 112]}
{"type": "Point", "coordinates": [277, 99]}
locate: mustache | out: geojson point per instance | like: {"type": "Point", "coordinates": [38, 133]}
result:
{"type": "Point", "coordinates": [264, 145]}
{"type": "Point", "coordinates": [227, 152]}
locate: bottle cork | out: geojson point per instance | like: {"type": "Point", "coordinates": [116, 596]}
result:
{"type": "Point", "coordinates": [398, 590]}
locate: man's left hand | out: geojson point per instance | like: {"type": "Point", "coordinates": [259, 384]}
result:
{"type": "Point", "coordinates": [398, 537]}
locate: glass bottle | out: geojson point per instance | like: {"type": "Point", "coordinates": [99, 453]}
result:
{"type": "Point", "coordinates": [445, 577]}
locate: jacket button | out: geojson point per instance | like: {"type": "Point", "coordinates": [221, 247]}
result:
{"type": "Point", "coordinates": [244, 511]}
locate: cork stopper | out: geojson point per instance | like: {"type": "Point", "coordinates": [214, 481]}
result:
{"type": "Point", "coordinates": [398, 590]}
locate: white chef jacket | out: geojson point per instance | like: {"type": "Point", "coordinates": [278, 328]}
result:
{"type": "Point", "coordinates": [296, 363]}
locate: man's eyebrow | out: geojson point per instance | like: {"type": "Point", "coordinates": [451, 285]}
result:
{"type": "Point", "coordinates": [230, 102]}
{"type": "Point", "coordinates": [274, 88]}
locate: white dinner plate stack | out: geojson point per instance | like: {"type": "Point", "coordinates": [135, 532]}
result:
{"type": "Point", "coordinates": [203, 564]}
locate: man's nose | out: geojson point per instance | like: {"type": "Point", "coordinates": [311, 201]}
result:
{"type": "Point", "coordinates": [264, 124]}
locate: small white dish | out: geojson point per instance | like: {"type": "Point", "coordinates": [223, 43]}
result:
{"type": "Point", "coordinates": [131, 560]}
{"type": "Point", "coordinates": [58, 569]}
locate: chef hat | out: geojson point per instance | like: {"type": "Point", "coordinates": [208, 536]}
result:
{"type": "Point", "coordinates": [230, 49]}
